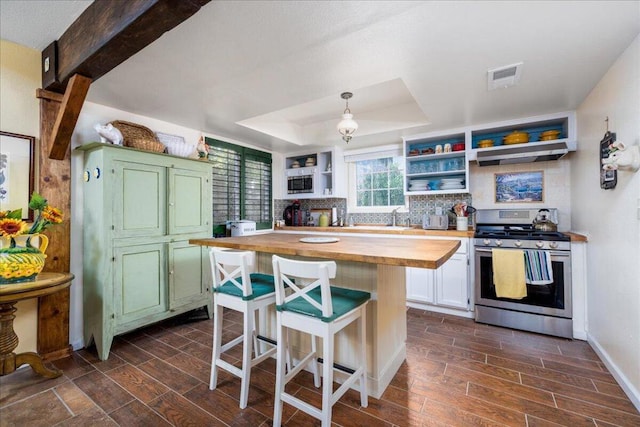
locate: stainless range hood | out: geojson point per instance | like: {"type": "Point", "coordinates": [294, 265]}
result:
{"type": "Point", "coordinates": [522, 153]}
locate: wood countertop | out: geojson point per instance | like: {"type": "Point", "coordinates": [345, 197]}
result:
{"type": "Point", "coordinates": [410, 231]}
{"type": "Point", "coordinates": [421, 253]}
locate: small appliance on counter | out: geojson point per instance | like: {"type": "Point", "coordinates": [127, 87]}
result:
{"type": "Point", "coordinates": [292, 214]}
{"type": "Point", "coordinates": [435, 222]}
{"type": "Point", "coordinates": [243, 227]}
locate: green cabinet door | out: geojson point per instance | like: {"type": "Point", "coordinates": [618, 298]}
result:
{"type": "Point", "coordinates": [139, 200]}
{"type": "Point", "coordinates": [189, 201]}
{"type": "Point", "coordinates": [188, 275]}
{"type": "Point", "coordinates": [140, 290]}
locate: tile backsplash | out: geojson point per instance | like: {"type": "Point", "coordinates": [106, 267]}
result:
{"type": "Point", "coordinates": [418, 206]}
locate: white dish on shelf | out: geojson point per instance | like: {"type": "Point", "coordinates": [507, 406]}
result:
{"type": "Point", "coordinates": [452, 180]}
{"type": "Point", "coordinates": [319, 239]}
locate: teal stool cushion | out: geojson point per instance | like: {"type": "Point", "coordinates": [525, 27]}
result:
{"type": "Point", "coordinates": [343, 300]}
{"type": "Point", "coordinates": [262, 284]}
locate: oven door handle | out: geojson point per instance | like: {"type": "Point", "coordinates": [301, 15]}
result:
{"type": "Point", "coordinates": [552, 253]}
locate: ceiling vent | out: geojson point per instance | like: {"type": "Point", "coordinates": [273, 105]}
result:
{"type": "Point", "coordinates": [504, 76]}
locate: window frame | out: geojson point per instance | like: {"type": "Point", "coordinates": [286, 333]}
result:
{"type": "Point", "coordinates": [248, 154]}
{"type": "Point", "coordinates": [352, 157]}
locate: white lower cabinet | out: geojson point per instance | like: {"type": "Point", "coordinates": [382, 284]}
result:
{"type": "Point", "coordinates": [446, 289]}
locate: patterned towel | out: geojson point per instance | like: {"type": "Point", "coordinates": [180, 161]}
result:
{"type": "Point", "coordinates": [537, 265]}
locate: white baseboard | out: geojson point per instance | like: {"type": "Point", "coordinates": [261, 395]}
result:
{"type": "Point", "coordinates": [630, 390]}
{"type": "Point", "coordinates": [77, 344]}
{"type": "Point", "coordinates": [438, 309]}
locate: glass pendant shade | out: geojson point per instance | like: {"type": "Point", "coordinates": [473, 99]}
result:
{"type": "Point", "coordinates": [347, 125]}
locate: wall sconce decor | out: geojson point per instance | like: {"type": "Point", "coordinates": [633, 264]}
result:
{"type": "Point", "coordinates": [622, 157]}
{"type": "Point", "coordinates": [347, 125]}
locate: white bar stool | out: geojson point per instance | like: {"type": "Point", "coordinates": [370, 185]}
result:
{"type": "Point", "coordinates": [237, 288]}
{"type": "Point", "coordinates": [314, 307]}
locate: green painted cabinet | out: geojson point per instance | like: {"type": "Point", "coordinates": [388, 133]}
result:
{"type": "Point", "coordinates": [140, 210]}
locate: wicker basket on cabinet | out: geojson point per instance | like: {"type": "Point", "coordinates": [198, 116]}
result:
{"type": "Point", "coordinates": [138, 136]}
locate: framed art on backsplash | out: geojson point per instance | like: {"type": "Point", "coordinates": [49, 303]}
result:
{"type": "Point", "coordinates": [16, 172]}
{"type": "Point", "coordinates": [519, 187]}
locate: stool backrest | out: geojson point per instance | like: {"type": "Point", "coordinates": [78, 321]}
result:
{"type": "Point", "coordinates": [228, 266]}
{"type": "Point", "coordinates": [301, 277]}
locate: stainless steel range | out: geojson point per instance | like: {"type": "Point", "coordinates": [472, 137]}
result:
{"type": "Point", "coordinates": [546, 308]}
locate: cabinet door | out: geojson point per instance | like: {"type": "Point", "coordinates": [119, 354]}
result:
{"type": "Point", "coordinates": [139, 200]}
{"type": "Point", "coordinates": [187, 275]}
{"type": "Point", "coordinates": [139, 278]}
{"type": "Point", "coordinates": [420, 282]}
{"type": "Point", "coordinates": [452, 282]}
{"type": "Point", "coordinates": [189, 201]}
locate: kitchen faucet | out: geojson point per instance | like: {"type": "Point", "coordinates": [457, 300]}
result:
{"type": "Point", "coordinates": [393, 217]}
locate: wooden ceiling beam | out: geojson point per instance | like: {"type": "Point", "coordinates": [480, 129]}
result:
{"type": "Point", "coordinates": [106, 34]}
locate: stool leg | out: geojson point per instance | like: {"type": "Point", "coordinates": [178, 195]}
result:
{"type": "Point", "coordinates": [327, 378]}
{"type": "Point", "coordinates": [314, 362]}
{"type": "Point", "coordinates": [246, 356]}
{"type": "Point", "coordinates": [281, 354]}
{"type": "Point", "coordinates": [217, 343]}
{"type": "Point", "coordinates": [364, 397]}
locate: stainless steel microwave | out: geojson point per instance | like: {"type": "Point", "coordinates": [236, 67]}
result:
{"type": "Point", "coordinates": [301, 181]}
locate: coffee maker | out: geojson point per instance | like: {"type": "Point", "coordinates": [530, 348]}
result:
{"type": "Point", "coordinates": [292, 214]}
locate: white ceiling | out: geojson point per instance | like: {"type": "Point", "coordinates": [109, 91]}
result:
{"type": "Point", "coordinates": [270, 73]}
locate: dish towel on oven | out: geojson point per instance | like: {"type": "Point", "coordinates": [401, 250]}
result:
{"type": "Point", "coordinates": [508, 273]}
{"type": "Point", "coordinates": [538, 267]}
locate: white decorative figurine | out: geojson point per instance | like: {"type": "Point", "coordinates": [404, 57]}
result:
{"type": "Point", "coordinates": [202, 148]}
{"type": "Point", "coordinates": [109, 133]}
{"type": "Point", "coordinates": [624, 158]}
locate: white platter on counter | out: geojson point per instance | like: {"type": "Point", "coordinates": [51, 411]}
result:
{"type": "Point", "coordinates": [319, 239]}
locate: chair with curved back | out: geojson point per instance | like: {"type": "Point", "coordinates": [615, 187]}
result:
{"type": "Point", "coordinates": [311, 305]}
{"type": "Point", "coordinates": [237, 288]}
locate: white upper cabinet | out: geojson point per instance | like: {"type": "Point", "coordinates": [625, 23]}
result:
{"type": "Point", "coordinates": [539, 138]}
{"type": "Point", "coordinates": [436, 163]}
{"type": "Point", "coordinates": [315, 175]}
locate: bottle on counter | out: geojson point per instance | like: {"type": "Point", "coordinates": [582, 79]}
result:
{"type": "Point", "coordinates": [323, 220]}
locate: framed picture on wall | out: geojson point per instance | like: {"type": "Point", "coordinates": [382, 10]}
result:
{"type": "Point", "coordinates": [16, 172]}
{"type": "Point", "coordinates": [519, 187]}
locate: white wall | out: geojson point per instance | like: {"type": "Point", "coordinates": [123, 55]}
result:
{"type": "Point", "coordinates": [611, 219]}
{"type": "Point", "coordinates": [556, 194]}
{"type": "Point", "coordinates": [20, 113]}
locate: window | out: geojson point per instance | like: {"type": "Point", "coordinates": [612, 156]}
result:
{"type": "Point", "coordinates": [375, 180]}
{"type": "Point", "coordinates": [241, 184]}
{"type": "Point", "coordinates": [379, 183]}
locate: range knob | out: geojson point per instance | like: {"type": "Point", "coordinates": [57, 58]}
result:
{"type": "Point", "coordinates": [498, 242]}
{"type": "Point", "coordinates": [539, 244]}
{"type": "Point", "coordinates": [518, 243]}
{"type": "Point", "coordinates": [553, 245]}
{"type": "Point", "coordinates": [486, 242]}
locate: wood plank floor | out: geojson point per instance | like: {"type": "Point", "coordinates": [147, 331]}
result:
{"type": "Point", "coordinates": [457, 373]}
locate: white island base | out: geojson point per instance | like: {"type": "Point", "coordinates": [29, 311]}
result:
{"type": "Point", "coordinates": [386, 320]}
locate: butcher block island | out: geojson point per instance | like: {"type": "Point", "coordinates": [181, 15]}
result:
{"type": "Point", "coordinates": [372, 264]}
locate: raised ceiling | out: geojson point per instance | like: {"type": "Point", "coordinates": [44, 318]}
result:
{"type": "Point", "coordinates": [270, 73]}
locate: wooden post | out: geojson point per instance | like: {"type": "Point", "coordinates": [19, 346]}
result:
{"type": "Point", "coordinates": [55, 185]}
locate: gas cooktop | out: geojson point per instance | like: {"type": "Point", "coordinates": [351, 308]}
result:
{"type": "Point", "coordinates": [520, 234]}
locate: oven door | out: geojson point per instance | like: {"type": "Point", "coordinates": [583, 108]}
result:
{"type": "Point", "coordinates": [553, 299]}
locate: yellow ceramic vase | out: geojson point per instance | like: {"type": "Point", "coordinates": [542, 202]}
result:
{"type": "Point", "coordinates": [22, 257]}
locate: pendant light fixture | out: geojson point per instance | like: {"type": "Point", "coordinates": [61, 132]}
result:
{"type": "Point", "coordinates": [347, 125]}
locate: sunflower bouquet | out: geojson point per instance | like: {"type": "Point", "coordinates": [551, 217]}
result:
{"type": "Point", "coordinates": [12, 225]}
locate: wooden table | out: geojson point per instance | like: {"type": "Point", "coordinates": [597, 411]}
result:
{"type": "Point", "coordinates": [45, 284]}
{"type": "Point", "coordinates": [372, 264]}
